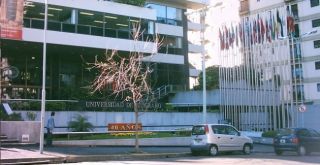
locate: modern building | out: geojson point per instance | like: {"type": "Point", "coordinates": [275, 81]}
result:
{"type": "Point", "coordinates": [80, 31]}
{"type": "Point", "coordinates": [269, 63]}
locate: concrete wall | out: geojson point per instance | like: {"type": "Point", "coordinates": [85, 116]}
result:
{"type": "Point", "coordinates": [147, 118]}
{"type": "Point", "coordinates": [15, 130]}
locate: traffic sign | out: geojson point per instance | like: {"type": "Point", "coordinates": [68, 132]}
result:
{"type": "Point", "coordinates": [302, 108]}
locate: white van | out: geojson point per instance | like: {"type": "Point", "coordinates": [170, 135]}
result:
{"type": "Point", "coordinates": [213, 138]}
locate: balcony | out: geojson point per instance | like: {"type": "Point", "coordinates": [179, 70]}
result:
{"type": "Point", "coordinates": [244, 7]}
{"type": "Point", "coordinates": [195, 48]}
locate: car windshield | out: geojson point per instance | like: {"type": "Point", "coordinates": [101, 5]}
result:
{"type": "Point", "coordinates": [285, 132]}
{"type": "Point", "coordinates": [198, 130]}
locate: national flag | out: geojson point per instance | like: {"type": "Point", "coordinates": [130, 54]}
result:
{"type": "Point", "coordinates": [226, 35]}
{"type": "Point", "coordinates": [268, 31]}
{"type": "Point", "coordinates": [254, 32]}
{"type": "Point", "coordinates": [290, 23]}
{"type": "Point", "coordinates": [232, 36]}
{"type": "Point", "coordinates": [221, 40]}
{"type": "Point", "coordinates": [274, 28]}
{"type": "Point", "coordinates": [258, 30]}
{"type": "Point", "coordinates": [240, 32]}
{"type": "Point", "coordinates": [262, 29]}
{"type": "Point", "coordinates": [237, 35]}
{"type": "Point", "coordinates": [279, 21]}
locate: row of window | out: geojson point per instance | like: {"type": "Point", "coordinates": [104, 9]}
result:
{"type": "Point", "coordinates": [316, 44]}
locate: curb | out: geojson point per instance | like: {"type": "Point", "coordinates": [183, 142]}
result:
{"type": "Point", "coordinates": [133, 156]}
{"type": "Point", "coordinates": [33, 161]}
{"type": "Point", "coordinates": [92, 158]}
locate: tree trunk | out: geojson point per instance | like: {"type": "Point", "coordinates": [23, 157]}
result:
{"type": "Point", "coordinates": [136, 115]}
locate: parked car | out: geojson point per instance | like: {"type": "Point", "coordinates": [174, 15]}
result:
{"type": "Point", "coordinates": [214, 138]}
{"type": "Point", "coordinates": [301, 140]}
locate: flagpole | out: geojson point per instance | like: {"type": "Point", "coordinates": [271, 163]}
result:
{"type": "Point", "coordinates": [43, 92]}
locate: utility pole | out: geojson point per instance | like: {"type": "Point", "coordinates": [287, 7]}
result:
{"type": "Point", "coordinates": [43, 91]}
{"type": "Point", "coordinates": [203, 55]}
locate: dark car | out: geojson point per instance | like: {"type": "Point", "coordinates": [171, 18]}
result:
{"type": "Point", "coordinates": [301, 140]}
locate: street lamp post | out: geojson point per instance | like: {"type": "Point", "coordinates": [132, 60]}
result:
{"type": "Point", "coordinates": [203, 55]}
{"type": "Point", "coordinates": [43, 91]}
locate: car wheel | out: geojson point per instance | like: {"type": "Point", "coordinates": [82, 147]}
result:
{"type": "Point", "coordinates": [246, 149]}
{"type": "Point", "coordinates": [302, 151]}
{"type": "Point", "coordinates": [278, 152]}
{"type": "Point", "coordinates": [213, 151]}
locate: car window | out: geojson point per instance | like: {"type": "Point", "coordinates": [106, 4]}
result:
{"type": "Point", "coordinates": [285, 132]}
{"type": "Point", "coordinates": [218, 129]}
{"type": "Point", "coordinates": [304, 133]}
{"type": "Point", "coordinates": [231, 131]}
{"type": "Point", "coordinates": [198, 130]}
{"type": "Point", "coordinates": [314, 133]}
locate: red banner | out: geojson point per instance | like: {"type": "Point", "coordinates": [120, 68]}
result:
{"type": "Point", "coordinates": [124, 127]}
{"type": "Point", "coordinates": [11, 19]}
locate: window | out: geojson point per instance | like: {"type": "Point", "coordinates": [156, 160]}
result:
{"type": "Point", "coordinates": [315, 23]}
{"type": "Point", "coordinates": [167, 15]}
{"type": "Point", "coordinates": [304, 133]}
{"type": "Point", "coordinates": [219, 129]}
{"type": "Point", "coordinates": [316, 44]}
{"type": "Point", "coordinates": [294, 9]}
{"type": "Point", "coordinates": [231, 131]}
{"type": "Point", "coordinates": [317, 65]}
{"type": "Point", "coordinates": [314, 3]}
{"type": "Point", "coordinates": [318, 87]}
{"type": "Point", "coordinates": [198, 130]}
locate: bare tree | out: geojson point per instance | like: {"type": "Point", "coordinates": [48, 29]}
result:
{"type": "Point", "coordinates": [127, 75]}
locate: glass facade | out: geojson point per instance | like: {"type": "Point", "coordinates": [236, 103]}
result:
{"type": "Point", "coordinates": [86, 22]}
{"type": "Point", "coordinates": [171, 45]}
{"type": "Point", "coordinates": [67, 76]}
{"type": "Point", "coordinates": [167, 15]}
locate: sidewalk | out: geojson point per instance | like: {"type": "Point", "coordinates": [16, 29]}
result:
{"type": "Point", "coordinates": [62, 154]}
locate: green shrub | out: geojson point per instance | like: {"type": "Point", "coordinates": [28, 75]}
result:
{"type": "Point", "coordinates": [13, 117]}
{"type": "Point", "coordinates": [80, 124]}
{"type": "Point", "coordinates": [132, 2]}
{"type": "Point", "coordinates": [55, 105]}
{"type": "Point", "coordinates": [270, 134]}
{"type": "Point", "coordinates": [31, 116]}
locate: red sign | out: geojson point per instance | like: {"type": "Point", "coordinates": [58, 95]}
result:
{"type": "Point", "coordinates": [11, 17]}
{"type": "Point", "coordinates": [124, 127]}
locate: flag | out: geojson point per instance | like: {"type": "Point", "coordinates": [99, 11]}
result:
{"type": "Point", "coordinates": [274, 28]}
{"type": "Point", "coordinates": [226, 39]}
{"type": "Point", "coordinates": [254, 32]}
{"type": "Point", "coordinates": [237, 35]}
{"type": "Point", "coordinates": [279, 21]}
{"type": "Point", "coordinates": [241, 32]}
{"type": "Point", "coordinates": [231, 36]}
{"type": "Point", "coordinates": [290, 23]}
{"type": "Point", "coordinates": [268, 31]}
{"type": "Point", "coordinates": [262, 29]}
{"type": "Point", "coordinates": [221, 37]}
{"type": "Point", "coordinates": [258, 30]}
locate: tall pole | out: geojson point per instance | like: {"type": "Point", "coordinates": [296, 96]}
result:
{"type": "Point", "coordinates": [204, 90]}
{"type": "Point", "coordinates": [43, 92]}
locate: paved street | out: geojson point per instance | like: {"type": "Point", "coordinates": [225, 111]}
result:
{"type": "Point", "coordinates": [262, 154]}
{"type": "Point", "coordinates": [225, 159]}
